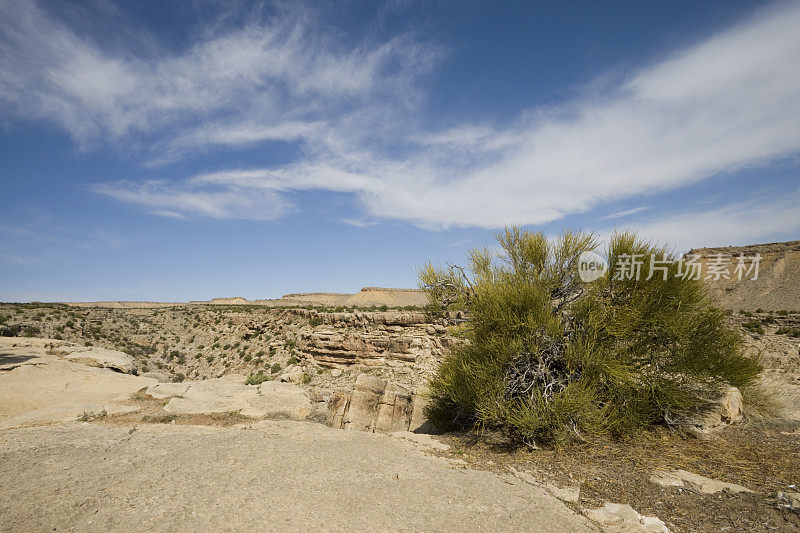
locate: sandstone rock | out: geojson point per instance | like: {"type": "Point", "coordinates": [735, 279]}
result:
{"type": "Point", "coordinates": [270, 399]}
{"type": "Point", "coordinates": [98, 357]}
{"type": "Point", "coordinates": [619, 518]}
{"type": "Point", "coordinates": [695, 482]}
{"type": "Point", "coordinates": [373, 405]}
{"type": "Point", "coordinates": [336, 372]}
{"type": "Point", "coordinates": [790, 501]}
{"type": "Point", "coordinates": [419, 422]}
{"type": "Point", "coordinates": [394, 409]}
{"type": "Point", "coordinates": [728, 409]}
{"type": "Point", "coordinates": [161, 377]}
{"type": "Point", "coordinates": [293, 374]}
{"type": "Point", "coordinates": [161, 391]}
{"type": "Point", "coordinates": [364, 400]}
{"type": "Point", "coordinates": [39, 387]}
{"type": "Point", "coordinates": [334, 347]}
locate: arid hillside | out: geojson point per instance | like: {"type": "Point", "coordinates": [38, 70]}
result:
{"type": "Point", "coordinates": [777, 286]}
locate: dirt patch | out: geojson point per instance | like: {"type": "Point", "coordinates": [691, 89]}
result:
{"type": "Point", "coordinates": [151, 411]}
{"type": "Point", "coordinates": [762, 458]}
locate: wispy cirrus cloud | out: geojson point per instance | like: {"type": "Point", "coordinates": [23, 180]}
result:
{"type": "Point", "coordinates": [714, 107]}
{"type": "Point", "coordinates": [735, 224]}
{"type": "Point", "coordinates": [271, 77]}
{"type": "Point", "coordinates": [625, 213]}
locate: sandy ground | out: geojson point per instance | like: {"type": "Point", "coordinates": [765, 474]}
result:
{"type": "Point", "coordinates": [279, 475]}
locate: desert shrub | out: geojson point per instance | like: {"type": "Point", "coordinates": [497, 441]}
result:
{"type": "Point", "coordinates": [783, 312]}
{"type": "Point", "coordinates": [178, 377]}
{"type": "Point", "coordinates": [759, 310]}
{"type": "Point", "coordinates": [31, 331]}
{"type": "Point", "coordinates": [247, 357]}
{"type": "Point", "coordinates": [306, 378]}
{"type": "Point", "coordinates": [275, 368]}
{"type": "Point", "coordinates": [791, 332]}
{"type": "Point", "coordinates": [547, 356]}
{"type": "Point", "coordinates": [10, 331]}
{"type": "Point", "coordinates": [754, 326]}
{"type": "Point", "coordinates": [257, 379]}
{"type": "Point", "coordinates": [748, 314]}
{"type": "Point", "coordinates": [292, 360]}
{"type": "Point", "coordinates": [315, 321]}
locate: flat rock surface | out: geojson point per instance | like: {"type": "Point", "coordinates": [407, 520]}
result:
{"type": "Point", "coordinates": [270, 399]}
{"type": "Point", "coordinates": [282, 476]}
{"type": "Point", "coordinates": [695, 482]}
{"type": "Point", "coordinates": [41, 388]}
{"type": "Point", "coordinates": [621, 518]}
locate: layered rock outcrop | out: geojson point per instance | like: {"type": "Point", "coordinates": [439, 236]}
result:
{"type": "Point", "coordinates": [375, 404]}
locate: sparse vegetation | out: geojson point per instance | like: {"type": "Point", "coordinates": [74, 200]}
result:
{"type": "Point", "coordinates": [754, 326]}
{"type": "Point", "coordinates": [257, 379]}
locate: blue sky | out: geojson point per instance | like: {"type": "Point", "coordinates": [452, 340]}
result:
{"type": "Point", "coordinates": [189, 150]}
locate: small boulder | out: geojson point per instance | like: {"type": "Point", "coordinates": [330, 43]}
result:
{"type": "Point", "coordinates": [790, 501]}
{"type": "Point", "coordinates": [293, 374]}
{"type": "Point", "coordinates": [728, 409]}
{"type": "Point", "coordinates": [619, 518]}
{"type": "Point", "coordinates": [695, 482]}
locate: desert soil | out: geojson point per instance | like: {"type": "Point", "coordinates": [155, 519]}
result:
{"type": "Point", "coordinates": [277, 476]}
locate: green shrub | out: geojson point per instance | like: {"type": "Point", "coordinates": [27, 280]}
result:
{"type": "Point", "coordinates": [550, 357]}
{"type": "Point", "coordinates": [754, 326]}
{"type": "Point", "coordinates": [257, 378]}
{"type": "Point", "coordinates": [31, 331]}
{"type": "Point", "coordinates": [10, 331]}
{"type": "Point", "coordinates": [292, 360]}
{"type": "Point", "coordinates": [791, 332]}
{"type": "Point", "coordinates": [275, 368]}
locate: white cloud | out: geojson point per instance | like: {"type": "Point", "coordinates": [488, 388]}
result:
{"type": "Point", "coordinates": [759, 220]}
{"type": "Point", "coordinates": [272, 78]}
{"type": "Point", "coordinates": [717, 106]}
{"type": "Point", "coordinates": [178, 201]}
{"type": "Point", "coordinates": [625, 213]}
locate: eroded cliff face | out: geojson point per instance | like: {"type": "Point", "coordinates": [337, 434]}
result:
{"type": "Point", "coordinates": [777, 286]}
